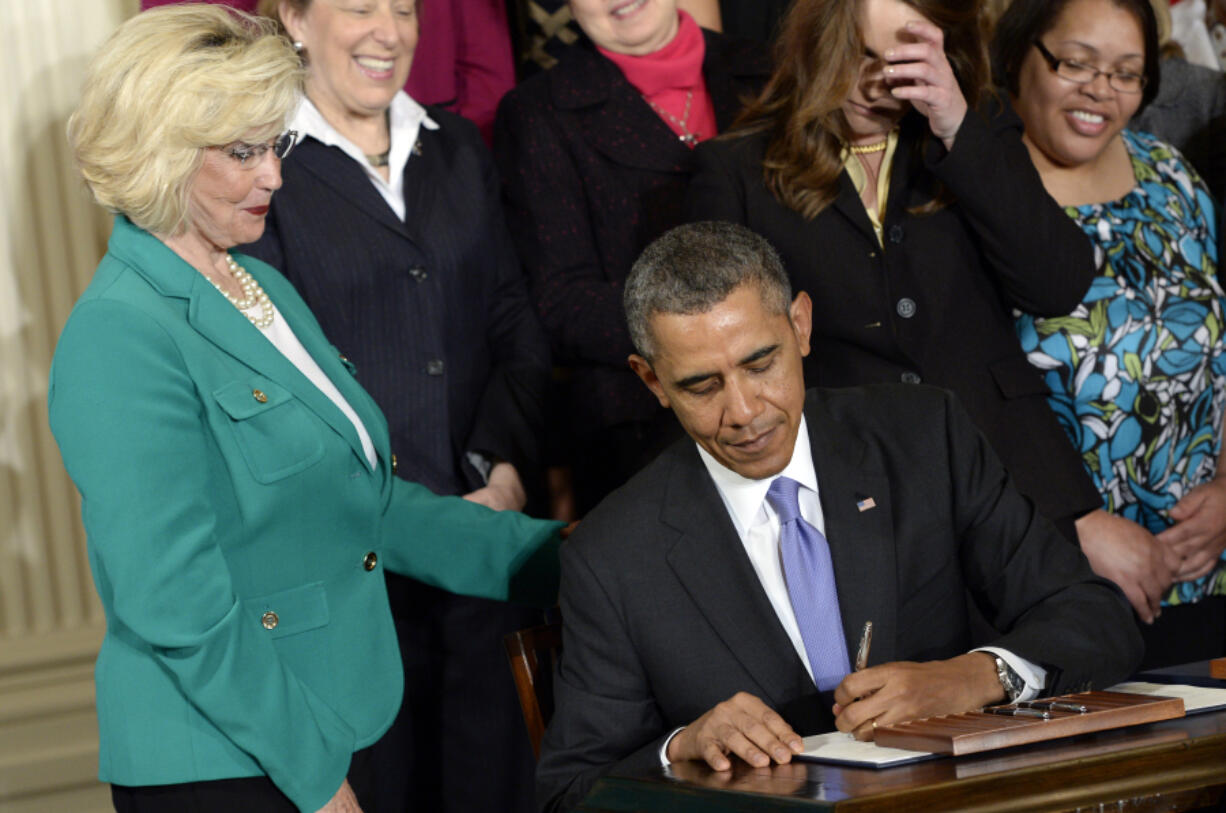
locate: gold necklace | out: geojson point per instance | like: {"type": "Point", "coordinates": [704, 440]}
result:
{"type": "Point", "coordinates": [865, 149]}
{"type": "Point", "coordinates": [253, 295]}
{"type": "Point", "coordinates": [687, 138]}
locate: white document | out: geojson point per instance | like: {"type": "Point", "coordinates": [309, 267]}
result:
{"type": "Point", "coordinates": [1195, 698]}
{"type": "Point", "coordinates": [843, 749]}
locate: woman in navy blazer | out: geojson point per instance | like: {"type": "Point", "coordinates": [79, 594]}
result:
{"type": "Point", "coordinates": [236, 481]}
{"type": "Point", "coordinates": [389, 226]}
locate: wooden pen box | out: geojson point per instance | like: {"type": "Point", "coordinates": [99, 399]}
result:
{"type": "Point", "coordinates": [975, 731]}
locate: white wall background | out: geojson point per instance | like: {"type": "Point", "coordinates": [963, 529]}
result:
{"type": "Point", "coordinates": [51, 237]}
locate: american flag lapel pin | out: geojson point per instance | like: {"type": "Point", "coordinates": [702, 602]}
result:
{"type": "Point", "coordinates": [865, 503]}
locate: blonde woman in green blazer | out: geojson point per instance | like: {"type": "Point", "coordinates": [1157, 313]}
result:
{"type": "Point", "coordinates": [235, 478]}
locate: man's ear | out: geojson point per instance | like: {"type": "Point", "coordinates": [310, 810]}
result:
{"type": "Point", "coordinates": [801, 314]}
{"type": "Point", "coordinates": [642, 368]}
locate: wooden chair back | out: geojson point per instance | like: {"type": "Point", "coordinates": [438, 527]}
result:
{"type": "Point", "coordinates": [532, 653]}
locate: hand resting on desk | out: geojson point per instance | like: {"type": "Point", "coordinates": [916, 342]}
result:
{"type": "Point", "coordinates": [903, 690]}
{"type": "Point", "coordinates": [741, 725]}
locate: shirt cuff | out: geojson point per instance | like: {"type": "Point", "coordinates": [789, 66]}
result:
{"type": "Point", "coordinates": [1035, 677]}
{"type": "Point", "coordinates": [664, 763]}
{"type": "Point", "coordinates": [482, 464]}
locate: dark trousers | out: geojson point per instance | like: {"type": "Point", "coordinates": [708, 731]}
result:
{"type": "Point", "coordinates": [1186, 633]}
{"type": "Point", "coordinates": [255, 794]}
{"type": "Point", "coordinates": [459, 744]}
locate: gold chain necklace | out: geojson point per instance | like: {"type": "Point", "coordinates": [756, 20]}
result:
{"type": "Point", "coordinates": [687, 138]}
{"type": "Point", "coordinates": [865, 149]}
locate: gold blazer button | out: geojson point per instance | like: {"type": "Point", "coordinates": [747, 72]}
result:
{"type": "Point", "coordinates": [259, 396]}
{"type": "Point", "coordinates": [395, 465]}
{"type": "Point", "coordinates": [270, 620]}
{"type": "Point", "coordinates": [370, 561]}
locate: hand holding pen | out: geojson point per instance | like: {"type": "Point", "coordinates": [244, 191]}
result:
{"type": "Point", "coordinates": [902, 690]}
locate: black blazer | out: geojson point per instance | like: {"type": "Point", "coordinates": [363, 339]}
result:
{"type": "Point", "coordinates": [591, 176]}
{"type": "Point", "coordinates": [433, 311]}
{"type": "Point", "coordinates": [935, 304]}
{"type": "Point", "coordinates": [664, 616]}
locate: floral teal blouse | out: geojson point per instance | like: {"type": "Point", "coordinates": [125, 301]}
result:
{"type": "Point", "coordinates": [1138, 370]}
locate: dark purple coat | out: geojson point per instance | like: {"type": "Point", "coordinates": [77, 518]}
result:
{"type": "Point", "coordinates": [592, 175]}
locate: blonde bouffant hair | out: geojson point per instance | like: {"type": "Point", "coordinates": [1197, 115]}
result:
{"type": "Point", "coordinates": [168, 83]}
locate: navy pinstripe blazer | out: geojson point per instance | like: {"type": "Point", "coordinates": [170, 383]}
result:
{"type": "Point", "coordinates": [432, 311]}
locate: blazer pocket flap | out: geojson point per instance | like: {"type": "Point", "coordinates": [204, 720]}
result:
{"type": "Point", "coordinates": [1018, 378]}
{"type": "Point", "coordinates": [242, 400]}
{"type": "Point", "coordinates": [288, 612]}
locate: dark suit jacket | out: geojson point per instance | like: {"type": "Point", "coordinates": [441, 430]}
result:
{"type": "Point", "coordinates": [665, 617]}
{"type": "Point", "coordinates": [432, 311]}
{"type": "Point", "coordinates": [934, 304]}
{"type": "Point", "coordinates": [591, 176]}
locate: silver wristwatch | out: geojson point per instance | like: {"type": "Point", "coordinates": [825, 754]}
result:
{"type": "Point", "coordinates": [1010, 680]}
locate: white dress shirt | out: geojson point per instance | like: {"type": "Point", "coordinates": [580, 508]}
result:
{"type": "Point", "coordinates": [757, 525]}
{"type": "Point", "coordinates": [405, 120]}
{"type": "Point", "coordinates": [283, 338]}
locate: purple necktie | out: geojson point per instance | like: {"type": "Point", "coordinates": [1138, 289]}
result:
{"type": "Point", "coordinates": [810, 579]}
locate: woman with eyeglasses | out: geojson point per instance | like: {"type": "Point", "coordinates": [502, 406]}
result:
{"type": "Point", "coordinates": [1137, 370]}
{"type": "Point", "coordinates": [236, 479]}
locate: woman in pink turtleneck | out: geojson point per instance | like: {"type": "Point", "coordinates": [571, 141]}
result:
{"type": "Point", "coordinates": [595, 155]}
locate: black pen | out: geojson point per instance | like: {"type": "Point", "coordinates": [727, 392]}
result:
{"type": "Point", "coordinates": [1010, 711]}
{"type": "Point", "coordinates": [1052, 705]}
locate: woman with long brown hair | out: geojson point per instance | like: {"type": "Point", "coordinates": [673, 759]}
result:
{"type": "Point", "coordinates": [911, 215]}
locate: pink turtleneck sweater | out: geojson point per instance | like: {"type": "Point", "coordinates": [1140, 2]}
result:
{"type": "Point", "coordinates": [665, 77]}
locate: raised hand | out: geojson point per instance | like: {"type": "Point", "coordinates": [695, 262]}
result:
{"type": "Point", "coordinates": [920, 73]}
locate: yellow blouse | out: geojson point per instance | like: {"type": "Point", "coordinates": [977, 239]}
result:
{"type": "Point", "coordinates": [859, 178]}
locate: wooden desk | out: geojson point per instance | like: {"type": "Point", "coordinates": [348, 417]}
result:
{"type": "Point", "coordinates": [1170, 765]}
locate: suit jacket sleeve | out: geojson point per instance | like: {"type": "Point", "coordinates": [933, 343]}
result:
{"type": "Point", "coordinates": [547, 213]}
{"type": "Point", "coordinates": [122, 404]}
{"type": "Point", "coordinates": [597, 728]}
{"type": "Point", "coordinates": [1028, 579]}
{"type": "Point", "coordinates": [1041, 259]}
{"type": "Point", "coordinates": [510, 417]}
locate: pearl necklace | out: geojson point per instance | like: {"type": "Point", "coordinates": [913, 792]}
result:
{"type": "Point", "coordinates": [253, 295]}
{"type": "Point", "coordinates": [687, 138]}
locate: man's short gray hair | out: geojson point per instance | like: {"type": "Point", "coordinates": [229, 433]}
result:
{"type": "Point", "coordinates": [692, 268]}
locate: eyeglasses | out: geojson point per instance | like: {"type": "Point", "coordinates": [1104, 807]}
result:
{"type": "Point", "coordinates": [1083, 74]}
{"type": "Point", "coordinates": [251, 154]}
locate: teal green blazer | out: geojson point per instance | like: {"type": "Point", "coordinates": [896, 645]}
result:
{"type": "Point", "coordinates": [237, 535]}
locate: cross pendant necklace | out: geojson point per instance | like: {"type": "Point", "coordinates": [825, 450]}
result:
{"type": "Point", "coordinates": [687, 138]}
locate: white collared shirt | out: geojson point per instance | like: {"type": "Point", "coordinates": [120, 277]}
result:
{"type": "Point", "coordinates": [757, 525]}
{"type": "Point", "coordinates": [405, 120]}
